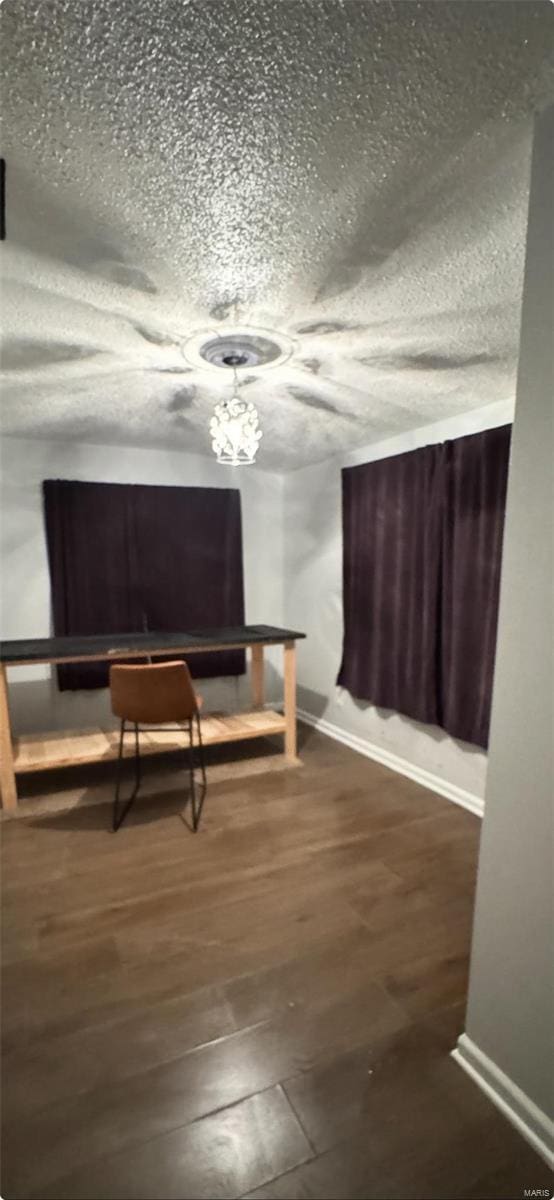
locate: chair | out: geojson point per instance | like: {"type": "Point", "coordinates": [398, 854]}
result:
{"type": "Point", "coordinates": [153, 694]}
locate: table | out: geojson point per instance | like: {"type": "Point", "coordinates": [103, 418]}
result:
{"type": "Point", "coordinates": [44, 752]}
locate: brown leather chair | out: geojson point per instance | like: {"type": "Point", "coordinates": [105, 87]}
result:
{"type": "Point", "coordinates": [155, 694]}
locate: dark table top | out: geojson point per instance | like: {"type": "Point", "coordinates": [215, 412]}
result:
{"type": "Point", "coordinates": [135, 645]}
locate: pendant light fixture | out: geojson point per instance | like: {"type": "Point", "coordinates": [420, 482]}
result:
{"type": "Point", "coordinates": [234, 425]}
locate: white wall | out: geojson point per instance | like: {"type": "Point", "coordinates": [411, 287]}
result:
{"type": "Point", "coordinates": [35, 701]}
{"type": "Point", "coordinates": [509, 1018]}
{"type": "Point", "coordinates": [313, 600]}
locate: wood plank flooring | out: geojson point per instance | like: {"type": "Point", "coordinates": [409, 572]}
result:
{"type": "Point", "coordinates": [263, 1009]}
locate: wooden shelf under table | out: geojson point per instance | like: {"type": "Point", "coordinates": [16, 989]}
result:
{"type": "Point", "coordinates": [44, 752]}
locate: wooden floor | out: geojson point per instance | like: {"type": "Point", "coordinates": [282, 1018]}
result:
{"type": "Point", "coordinates": [265, 1009]}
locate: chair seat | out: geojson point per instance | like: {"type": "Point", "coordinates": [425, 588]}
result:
{"type": "Point", "coordinates": [153, 693]}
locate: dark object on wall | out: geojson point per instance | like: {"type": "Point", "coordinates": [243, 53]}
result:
{"type": "Point", "coordinates": [422, 545]}
{"type": "Point", "coordinates": [125, 558]}
{"type": "Point", "coordinates": [2, 199]}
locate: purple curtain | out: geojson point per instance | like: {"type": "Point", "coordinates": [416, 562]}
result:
{"type": "Point", "coordinates": [391, 550]}
{"type": "Point", "coordinates": [189, 563]}
{"type": "Point", "coordinates": [474, 500]}
{"type": "Point", "coordinates": [124, 558]}
{"type": "Point", "coordinates": [422, 542]}
{"type": "Point", "coordinates": [92, 573]}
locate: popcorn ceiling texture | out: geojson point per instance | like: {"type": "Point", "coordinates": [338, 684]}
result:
{"type": "Point", "coordinates": [353, 175]}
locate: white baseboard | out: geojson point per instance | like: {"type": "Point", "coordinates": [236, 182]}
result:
{"type": "Point", "coordinates": [426, 778]}
{"type": "Point", "coordinates": [533, 1124]}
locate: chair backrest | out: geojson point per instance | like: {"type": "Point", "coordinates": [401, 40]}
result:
{"type": "Point", "coordinates": [152, 693]}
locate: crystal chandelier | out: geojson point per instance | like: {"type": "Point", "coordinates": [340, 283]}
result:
{"type": "Point", "coordinates": [234, 429]}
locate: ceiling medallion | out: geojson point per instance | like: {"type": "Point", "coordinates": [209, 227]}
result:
{"type": "Point", "coordinates": [256, 349]}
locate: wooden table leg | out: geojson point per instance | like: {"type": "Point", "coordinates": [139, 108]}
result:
{"type": "Point", "coordinates": [290, 700]}
{"type": "Point", "coordinates": [257, 675]}
{"type": "Point", "coordinates": [7, 773]}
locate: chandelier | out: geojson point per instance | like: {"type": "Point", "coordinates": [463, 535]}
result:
{"type": "Point", "coordinates": [234, 426]}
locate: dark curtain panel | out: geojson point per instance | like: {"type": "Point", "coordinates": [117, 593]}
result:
{"type": "Point", "coordinates": [124, 558]}
{"type": "Point", "coordinates": [422, 548]}
{"type": "Point", "coordinates": [391, 548]}
{"type": "Point", "coordinates": [89, 537]}
{"type": "Point", "coordinates": [473, 522]}
{"type": "Point", "coordinates": [189, 552]}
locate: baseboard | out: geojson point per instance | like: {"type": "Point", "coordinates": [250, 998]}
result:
{"type": "Point", "coordinates": [427, 779]}
{"type": "Point", "coordinates": [530, 1121]}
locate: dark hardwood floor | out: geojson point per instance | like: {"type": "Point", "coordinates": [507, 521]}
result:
{"type": "Point", "coordinates": [265, 1009]}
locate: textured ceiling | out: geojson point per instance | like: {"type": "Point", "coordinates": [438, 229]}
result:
{"type": "Point", "coordinates": [351, 175]}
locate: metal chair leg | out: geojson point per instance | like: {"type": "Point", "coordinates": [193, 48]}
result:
{"type": "Point", "coordinates": [196, 811]}
{"type": "Point", "coordinates": [191, 777]}
{"type": "Point", "coordinates": [202, 769]}
{"type": "Point", "coordinates": [201, 751]}
{"type": "Point", "coordinates": [119, 816]}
